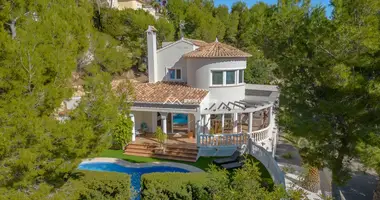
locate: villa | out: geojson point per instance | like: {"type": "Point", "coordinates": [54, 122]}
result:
{"type": "Point", "coordinates": [197, 95]}
{"type": "Point", "coordinates": [133, 4]}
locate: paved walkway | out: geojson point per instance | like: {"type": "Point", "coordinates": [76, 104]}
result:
{"type": "Point", "coordinates": [293, 170]}
{"type": "Point", "coordinates": [360, 187]}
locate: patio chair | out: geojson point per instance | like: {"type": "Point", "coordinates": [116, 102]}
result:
{"type": "Point", "coordinates": [235, 156]}
{"type": "Point", "coordinates": [144, 127]}
{"type": "Point", "coordinates": [233, 165]}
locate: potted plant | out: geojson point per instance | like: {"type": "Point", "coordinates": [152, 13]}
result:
{"type": "Point", "coordinates": [161, 137]}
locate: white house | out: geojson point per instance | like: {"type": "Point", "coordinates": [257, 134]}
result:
{"type": "Point", "coordinates": [133, 4]}
{"type": "Point", "coordinates": [204, 82]}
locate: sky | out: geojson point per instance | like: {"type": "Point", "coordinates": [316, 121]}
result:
{"type": "Point", "coordinates": [251, 2]}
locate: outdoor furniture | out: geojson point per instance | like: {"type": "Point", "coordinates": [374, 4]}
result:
{"type": "Point", "coordinates": [233, 158]}
{"type": "Point", "coordinates": [233, 165]}
{"type": "Point", "coordinates": [144, 127]}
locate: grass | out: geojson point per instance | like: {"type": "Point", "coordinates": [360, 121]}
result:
{"type": "Point", "coordinates": [202, 162]}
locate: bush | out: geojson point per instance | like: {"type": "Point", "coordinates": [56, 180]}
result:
{"type": "Point", "coordinates": [160, 136]}
{"type": "Point", "coordinates": [184, 186]}
{"type": "Point", "coordinates": [122, 134]}
{"type": "Point", "coordinates": [98, 185]}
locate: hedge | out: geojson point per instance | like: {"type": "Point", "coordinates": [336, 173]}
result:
{"type": "Point", "coordinates": [184, 186]}
{"type": "Point", "coordinates": [100, 185]}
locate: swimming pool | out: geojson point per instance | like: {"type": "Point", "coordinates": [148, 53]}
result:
{"type": "Point", "coordinates": [134, 172]}
{"type": "Point", "coordinates": [180, 119]}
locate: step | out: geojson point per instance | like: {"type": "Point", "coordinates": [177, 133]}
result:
{"type": "Point", "coordinates": [138, 151]}
{"type": "Point", "coordinates": [175, 158]}
{"type": "Point", "coordinates": [166, 157]}
{"type": "Point", "coordinates": [179, 154]}
{"type": "Point", "coordinates": [169, 150]}
{"type": "Point", "coordinates": [160, 152]}
{"type": "Point", "coordinates": [176, 152]}
{"type": "Point", "coordinates": [176, 146]}
{"type": "Point", "coordinates": [176, 155]}
{"type": "Point", "coordinates": [169, 147]}
{"type": "Point", "coordinates": [141, 146]}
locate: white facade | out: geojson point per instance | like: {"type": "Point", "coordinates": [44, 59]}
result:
{"type": "Point", "coordinates": [196, 72]}
{"type": "Point", "coordinates": [236, 103]}
{"type": "Point", "coordinates": [199, 75]}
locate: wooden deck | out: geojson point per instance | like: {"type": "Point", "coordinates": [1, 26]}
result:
{"type": "Point", "coordinates": [176, 148]}
{"type": "Point", "coordinates": [148, 138]}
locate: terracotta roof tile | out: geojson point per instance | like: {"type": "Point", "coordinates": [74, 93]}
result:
{"type": "Point", "coordinates": [165, 92]}
{"type": "Point", "coordinates": [199, 43]}
{"type": "Point", "coordinates": [217, 50]}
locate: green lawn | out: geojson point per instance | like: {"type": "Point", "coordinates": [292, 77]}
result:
{"type": "Point", "coordinates": [202, 162]}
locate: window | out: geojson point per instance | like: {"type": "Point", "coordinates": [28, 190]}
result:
{"type": "Point", "coordinates": [217, 77]}
{"type": "Point", "coordinates": [241, 76]}
{"type": "Point", "coordinates": [178, 74]}
{"type": "Point", "coordinates": [175, 74]}
{"type": "Point", "coordinates": [230, 77]}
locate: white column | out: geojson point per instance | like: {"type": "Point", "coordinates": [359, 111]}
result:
{"type": "Point", "coordinates": [171, 115]}
{"type": "Point", "coordinates": [241, 122]}
{"type": "Point", "coordinates": [188, 122]}
{"type": "Point", "coordinates": [133, 127]}
{"type": "Point", "coordinates": [207, 123]}
{"type": "Point", "coordinates": [164, 122]}
{"type": "Point", "coordinates": [270, 114]}
{"type": "Point", "coordinates": [154, 122]}
{"type": "Point", "coordinates": [197, 123]}
{"type": "Point", "coordinates": [250, 122]}
{"type": "Point", "coordinates": [222, 124]}
{"type": "Point", "coordinates": [235, 128]}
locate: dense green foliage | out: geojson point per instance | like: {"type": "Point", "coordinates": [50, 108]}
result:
{"type": "Point", "coordinates": [39, 51]}
{"type": "Point", "coordinates": [244, 183]}
{"type": "Point", "coordinates": [123, 132]}
{"type": "Point", "coordinates": [174, 186]}
{"type": "Point", "coordinates": [86, 185]}
{"type": "Point", "coordinates": [328, 71]}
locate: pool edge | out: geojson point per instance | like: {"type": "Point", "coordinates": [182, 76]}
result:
{"type": "Point", "coordinates": [138, 165]}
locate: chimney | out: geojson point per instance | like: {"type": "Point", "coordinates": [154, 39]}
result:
{"type": "Point", "coordinates": [152, 54]}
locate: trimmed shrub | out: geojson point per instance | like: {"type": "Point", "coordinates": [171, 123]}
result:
{"type": "Point", "coordinates": [99, 185]}
{"type": "Point", "coordinates": [184, 186]}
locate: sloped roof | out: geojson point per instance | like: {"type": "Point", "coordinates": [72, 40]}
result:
{"type": "Point", "coordinates": [198, 43]}
{"type": "Point", "coordinates": [217, 50]}
{"type": "Point", "coordinates": [165, 93]}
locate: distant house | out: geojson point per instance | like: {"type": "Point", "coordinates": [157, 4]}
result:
{"type": "Point", "coordinates": [133, 4]}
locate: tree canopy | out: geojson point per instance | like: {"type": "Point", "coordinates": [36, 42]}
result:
{"type": "Point", "coordinates": [327, 69]}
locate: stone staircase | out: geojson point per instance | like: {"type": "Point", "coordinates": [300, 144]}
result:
{"type": "Point", "coordinates": [172, 152]}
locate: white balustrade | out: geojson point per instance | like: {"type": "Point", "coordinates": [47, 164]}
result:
{"type": "Point", "coordinates": [236, 139]}
{"type": "Point", "coordinates": [223, 139]}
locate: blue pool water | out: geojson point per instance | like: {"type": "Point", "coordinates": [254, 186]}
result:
{"type": "Point", "coordinates": [135, 173]}
{"type": "Point", "coordinates": [179, 119]}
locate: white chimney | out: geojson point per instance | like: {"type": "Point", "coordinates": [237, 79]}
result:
{"type": "Point", "coordinates": [152, 54]}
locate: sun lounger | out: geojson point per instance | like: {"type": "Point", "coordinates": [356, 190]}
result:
{"type": "Point", "coordinates": [233, 158]}
{"type": "Point", "coordinates": [233, 165]}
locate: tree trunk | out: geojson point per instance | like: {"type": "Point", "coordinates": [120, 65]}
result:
{"type": "Point", "coordinates": [376, 194]}
{"type": "Point", "coordinates": [311, 179]}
